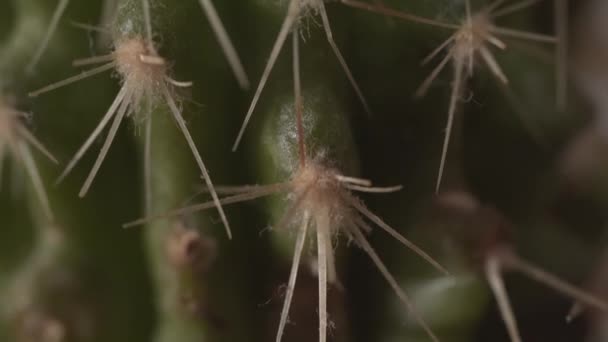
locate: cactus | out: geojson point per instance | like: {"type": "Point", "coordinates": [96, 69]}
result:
{"type": "Point", "coordinates": [336, 106]}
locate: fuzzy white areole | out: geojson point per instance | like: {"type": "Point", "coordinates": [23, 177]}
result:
{"type": "Point", "coordinates": [145, 82]}
{"type": "Point", "coordinates": [471, 42]}
{"type": "Point", "coordinates": [108, 12]}
{"type": "Point", "coordinates": [322, 200]}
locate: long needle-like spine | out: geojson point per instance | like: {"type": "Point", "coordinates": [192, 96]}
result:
{"type": "Point", "coordinates": [514, 262]}
{"type": "Point", "coordinates": [32, 170]}
{"type": "Point", "coordinates": [361, 208]}
{"type": "Point", "coordinates": [73, 79]}
{"type": "Point", "coordinates": [323, 226]}
{"type": "Point", "coordinates": [456, 90]}
{"type": "Point", "coordinates": [120, 98]}
{"type": "Point", "coordinates": [292, 15]}
{"type": "Point", "coordinates": [182, 126]}
{"type": "Point", "coordinates": [340, 57]}
{"type": "Point", "coordinates": [226, 44]}
{"type": "Point", "coordinates": [293, 275]}
{"type": "Point", "coordinates": [241, 197]}
{"type": "Point", "coordinates": [494, 276]}
{"type": "Point", "coordinates": [122, 111]}
{"type": "Point", "coordinates": [61, 6]}
{"type": "Point", "coordinates": [362, 241]}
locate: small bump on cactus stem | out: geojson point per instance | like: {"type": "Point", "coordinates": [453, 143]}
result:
{"type": "Point", "coordinates": [37, 326]}
{"type": "Point", "coordinates": [192, 254]}
{"type": "Point", "coordinates": [186, 248]}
